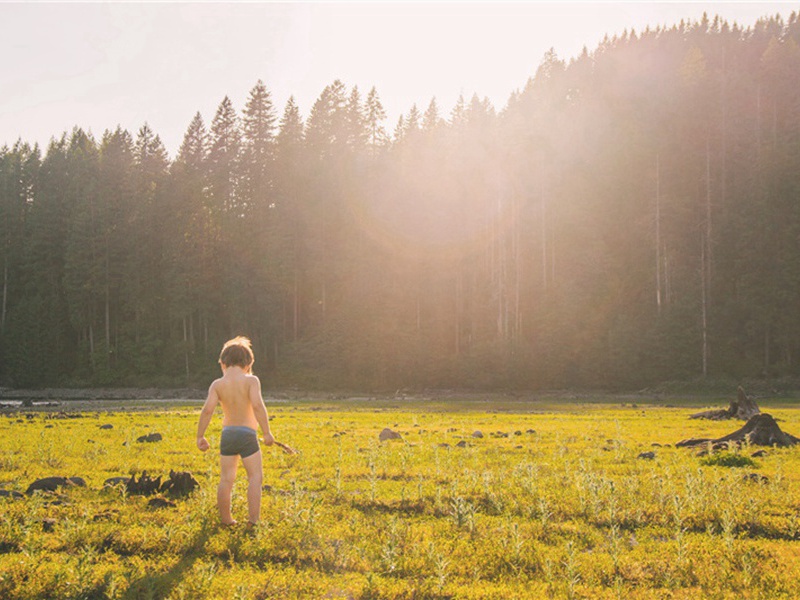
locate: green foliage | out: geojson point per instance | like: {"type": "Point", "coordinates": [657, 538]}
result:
{"type": "Point", "coordinates": [727, 459]}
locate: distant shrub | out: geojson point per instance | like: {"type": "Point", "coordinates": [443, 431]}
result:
{"type": "Point", "coordinates": [727, 459]}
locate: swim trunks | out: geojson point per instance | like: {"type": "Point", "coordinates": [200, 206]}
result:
{"type": "Point", "coordinates": [237, 439]}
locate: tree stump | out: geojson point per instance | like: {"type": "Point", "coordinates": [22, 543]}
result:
{"type": "Point", "coordinates": [760, 430]}
{"type": "Point", "coordinates": [742, 408]}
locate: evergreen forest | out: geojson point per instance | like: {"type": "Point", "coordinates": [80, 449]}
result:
{"type": "Point", "coordinates": [631, 216]}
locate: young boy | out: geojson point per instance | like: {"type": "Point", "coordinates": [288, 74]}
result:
{"type": "Point", "coordinates": [243, 410]}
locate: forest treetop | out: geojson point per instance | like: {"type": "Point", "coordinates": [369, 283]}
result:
{"type": "Point", "coordinates": [629, 217]}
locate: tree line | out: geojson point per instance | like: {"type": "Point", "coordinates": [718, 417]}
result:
{"type": "Point", "coordinates": [631, 216]}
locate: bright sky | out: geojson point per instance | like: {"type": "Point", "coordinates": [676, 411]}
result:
{"type": "Point", "coordinates": [100, 65]}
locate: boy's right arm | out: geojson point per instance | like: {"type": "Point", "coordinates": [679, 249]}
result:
{"type": "Point", "coordinates": [205, 417]}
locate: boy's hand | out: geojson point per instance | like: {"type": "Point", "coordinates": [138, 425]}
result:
{"type": "Point", "coordinates": [269, 439]}
{"type": "Point", "coordinates": [202, 444]}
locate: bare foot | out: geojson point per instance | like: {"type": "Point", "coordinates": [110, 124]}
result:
{"type": "Point", "coordinates": [229, 524]}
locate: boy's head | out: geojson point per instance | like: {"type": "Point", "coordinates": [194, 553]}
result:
{"type": "Point", "coordinates": [237, 353]}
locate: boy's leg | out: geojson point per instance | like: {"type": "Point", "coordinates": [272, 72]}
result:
{"type": "Point", "coordinates": [227, 474]}
{"type": "Point", "coordinates": [255, 476]}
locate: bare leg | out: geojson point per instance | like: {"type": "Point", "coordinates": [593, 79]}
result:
{"type": "Point", "coordinates": [227, 474]}
{"type": "Point", "coordinates": [255, 476]}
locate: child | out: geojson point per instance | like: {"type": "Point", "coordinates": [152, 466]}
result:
{"type": "Point", "coordinates": [243, 410]}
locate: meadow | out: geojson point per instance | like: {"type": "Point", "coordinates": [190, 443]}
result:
{"type": "Point", "coordinates": [554, 501]}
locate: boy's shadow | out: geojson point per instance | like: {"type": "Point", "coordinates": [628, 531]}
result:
{"type": "Point", "coordinates": [160, 585]}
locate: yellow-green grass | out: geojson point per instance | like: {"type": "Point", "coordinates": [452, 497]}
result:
{"type": "Point", "coordinates": [562, 507]}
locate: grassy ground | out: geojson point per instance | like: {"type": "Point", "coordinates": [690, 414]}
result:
{"type": "Point", "coordinates": [553, 501]}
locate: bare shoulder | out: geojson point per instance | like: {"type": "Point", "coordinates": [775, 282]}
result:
{"type": "Point", "coordinates": [253, 380]}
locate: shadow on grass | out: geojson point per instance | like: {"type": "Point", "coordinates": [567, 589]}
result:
{"type": "Point", "coordinates": [159, 585]}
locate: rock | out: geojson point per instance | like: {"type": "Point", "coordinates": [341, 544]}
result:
{"type": "Point", "coordinates": [150, 437]}
{"type": "Point", "coordinates": [388, 434]}
{"type": "Point", "coordinates": [10, 494]}
{"type": "Point", "coordinates": [179, 484]}
{"type": "Point", "coordinates": [758, 453]}
{"type": "Point", "coordinates": [106, 515]}
{"type": "Point", "coordinates": [477, 434]}
{"type": "Point", "coordinates": [107, 426]}
{"type": "Point", "coordinates": [531, 431]}
{"type": "Point", "coordinates": [48, 524]}
{"type": "Point", "coordinates": [443, 445]}
{"type": "Point", "coordinates": [655, 445]}
{"type": "Point", "coordinates": [161, 503]}
{"type": "Point", "coordinates": [647, 455]}
{"type": "Point", "coordinates": [50, 426]}
{"type": "Point", "coordinates": [461, 444]}
{"type": "Point", "coordinates": [51, 484]}
{"type": "Point", "coordinates": [517, 432]}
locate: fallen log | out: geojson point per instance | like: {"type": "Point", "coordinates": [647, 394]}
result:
{"type": "Point", "coordinates": [742, 408]}
{"type": "Point", "coordinates": [760, 430]}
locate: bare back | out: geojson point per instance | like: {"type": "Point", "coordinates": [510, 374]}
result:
{"type": "Point", "coordinates": [237, 392]}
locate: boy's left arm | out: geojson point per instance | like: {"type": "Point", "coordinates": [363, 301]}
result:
{"type": "Point", "coordinates": [260, 410]}
{"type": "Point", "coordinates": [205, 418]}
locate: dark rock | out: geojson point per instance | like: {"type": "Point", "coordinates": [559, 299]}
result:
{"type": "Point", "coordinates": [530, 431]}
{"type": "Point", "coordinates": [461, 444]}
{"type": "Point", "coordinates": [647, 455]}
{"type": "Point", "coordinates": [10, 494]}
{"type": "Point", "coordinates": [51, 484]}
{"type": "Point", "coordinates": [517, 432]}
{"type": "Point", "coordinates": [50, 426]}
{"type": "Point", "coordinates": [106, 515]}
{"type": "Point", "coordinates": [107, 426]}
{"type": "Point", "coordinates": [161, 503]}
{"type": "Point", "coordinates": [388, 434]}
{"type": "Point", "coordinates": [477, 434]}
{"type": "Point", "coordinates": [655, 445]}
{"type": "Point", "coordinates": [758, 453]}
{"type": "Point", "coordinates": [444, 445]}
{"type": "Point", "coordinates": [48, 524]}
{"type": "Point", "coordinates": [755, 478]}
{"type": "Point", "coordinates": [150, 437]}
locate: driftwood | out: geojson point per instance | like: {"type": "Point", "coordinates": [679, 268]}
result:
{"type": "Point", "coordinates": [760, 430]}
{"type": "Point", "coordinates": [742, 408]}
{"type": "Point", "coordinates": [179, 484]}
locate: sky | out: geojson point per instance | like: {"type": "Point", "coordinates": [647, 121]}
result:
{"type": "Point", "coordinates": [100, 65]}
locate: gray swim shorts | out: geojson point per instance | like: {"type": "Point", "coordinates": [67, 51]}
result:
{"type": "Point", "coordinates": [237, 439]}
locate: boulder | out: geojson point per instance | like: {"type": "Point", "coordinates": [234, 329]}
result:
{"type": "Point", "coordinates": [150, 437]}
{"type": "Point", "coordinates": [388, 434]}
{"type": "Point", "coordinates": [647, 455]}
{"type": "Point", "coordinates": [107, 426]}
{"type": "Point", "coordinates": [10, 494]}
{"type": "Point", "coordinates": [477, 434]}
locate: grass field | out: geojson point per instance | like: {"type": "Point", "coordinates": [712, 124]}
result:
{"type": "Point", "coordinates": [552, 502]}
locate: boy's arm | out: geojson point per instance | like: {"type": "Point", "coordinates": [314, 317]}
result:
{"type": "Point", "coordinates": [205, 417]}
{"type": "Point", "coordinates": [260, 411]}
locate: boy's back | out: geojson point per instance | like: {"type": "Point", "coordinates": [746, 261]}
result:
{"type": "Point", "coordinates": [236, 390]}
